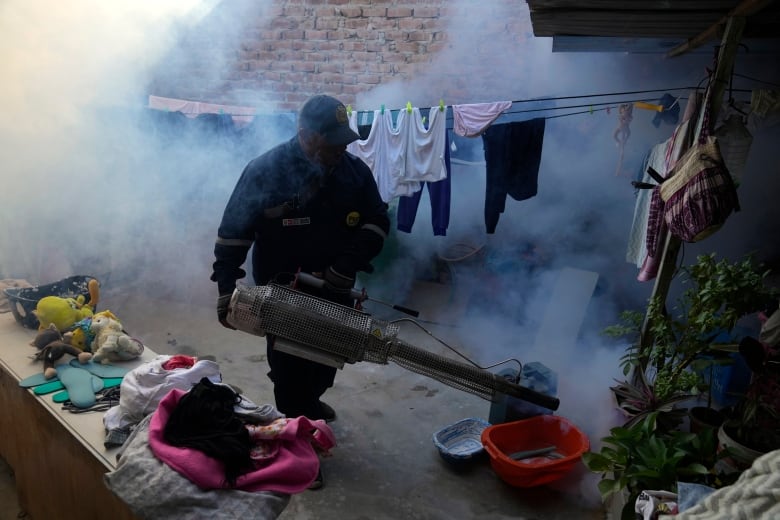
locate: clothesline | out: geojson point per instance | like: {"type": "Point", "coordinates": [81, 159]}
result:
{"type": "Point", "coordinates": [365, 117]}
{"type": "Point", "coordinates": [581, 96]}
{"type": "Point", "coordinates": [608, 105]}
{"type": "Point", "coordinates": [362, 113]}
{"type": "Point", "coordinates": [193, 107]}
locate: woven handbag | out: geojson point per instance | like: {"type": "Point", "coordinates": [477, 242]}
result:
{"type": "Point", "coordinates": [698, 194]}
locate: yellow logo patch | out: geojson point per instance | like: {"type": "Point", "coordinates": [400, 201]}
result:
{"type": "Point", "coordinates": [341, 115]}
{"type": "Point", "coordinates": [353, 218]}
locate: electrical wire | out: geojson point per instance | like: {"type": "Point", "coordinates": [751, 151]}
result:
{"type": "Point", "coordinates": [757, 80]}
{"type": "Point", "coordinates": [624, 93]}
{"type": "Point", "coordinates": [472, 250]}
{"type": "Point", "coordinates": [612, 103]}
{"type": "Point", "coordinates": [104, 400]}
{"type": "Point", "coordinates": [416, 323]}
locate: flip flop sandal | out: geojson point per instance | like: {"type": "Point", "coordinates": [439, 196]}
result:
{"type": "Point", "coordinates": [47, 388]}
{"type": "Point", "coordinates": [110, 382]}
{"type": "Point", "coordinates": [80, 384]}
{"type": "Point", "coordinates": [35, 380]}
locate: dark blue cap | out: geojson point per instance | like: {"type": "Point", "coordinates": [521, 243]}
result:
{"type": "Point", "coordinates": [327, 116]}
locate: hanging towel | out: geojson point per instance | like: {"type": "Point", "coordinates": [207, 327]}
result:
{"type": "Point", "coordinates": [637, 247]}
{"type": "Point", "coordinates": [513, 152]}
{"type": "Point", "coordinates": [385, 153]}
{"type": "Point", "coordinates": [764, 109]}
{"type": "Point", "coordinates": [241, 115]}
{"type": "Point", "coordinates": [439, 195]}
{"type": "Point", "coordinates": [473, 119]}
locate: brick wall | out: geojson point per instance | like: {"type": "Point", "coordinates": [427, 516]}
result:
{"type": "Point", "coordinates": [292, 49]}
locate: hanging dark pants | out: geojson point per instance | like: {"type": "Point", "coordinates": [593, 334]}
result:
{"type": "Point", "coordinates": [513, 152]}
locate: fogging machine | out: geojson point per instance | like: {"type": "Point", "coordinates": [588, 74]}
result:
{"type": "Point", "coordinates": [313, 328]}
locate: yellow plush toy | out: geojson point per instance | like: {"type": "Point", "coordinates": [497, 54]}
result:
{"type": "Point", "coordinates": [64, 312]}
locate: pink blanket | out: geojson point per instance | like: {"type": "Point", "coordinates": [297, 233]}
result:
{"type": "Point", "coordinates": [291, 467]}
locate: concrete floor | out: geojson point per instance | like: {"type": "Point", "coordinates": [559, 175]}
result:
{"type": "Point", "coordinates": [385, 465]}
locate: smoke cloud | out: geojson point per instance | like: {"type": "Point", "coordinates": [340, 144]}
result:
{"type": "Point", "coordinates": [90, 188]}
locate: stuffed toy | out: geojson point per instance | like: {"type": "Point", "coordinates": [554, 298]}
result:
{"type": "Point", "coordinates": [64, 312]}
{"type": "Point", "coordinates": [51, 348]}
{"type": "Point", "coordinates": [111, 343]}
{"type": "Point", "coordinates": [80, 334]}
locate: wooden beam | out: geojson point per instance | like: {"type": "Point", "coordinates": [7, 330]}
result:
{"type": "Point", "coordinates": [668, 266]}
{"type": "Point", "coordinates": [726, 56]}
{"type": "Point", "coordinates": [745, 8]}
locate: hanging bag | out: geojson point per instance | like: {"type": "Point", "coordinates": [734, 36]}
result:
{"type": "Point", "coordinates": [698, 193]}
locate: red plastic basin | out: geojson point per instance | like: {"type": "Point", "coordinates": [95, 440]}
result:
{"type": "Point", "coordinates": [502, 440]}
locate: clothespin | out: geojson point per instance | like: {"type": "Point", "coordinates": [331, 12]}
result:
{"type": "Point", "coordinates": [408, 107]}
{"type": "Point", "coordinates": [590, 109]}
{"type": "Point", "coordinates": [221, 111]}
{"type": "Point", "coordinates": [649, 106]}
{"type": "Point", "coordinates": [382, 110]}
{"type": "Point", "coordinates": [441, 105]}
{"type": "Point", "coordinates": [349, 110]}
{"type": "Point", "coordinates": [423, 119]}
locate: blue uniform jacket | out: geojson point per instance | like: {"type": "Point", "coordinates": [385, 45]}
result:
{"type": "Point", "coordinates": [297, 217]}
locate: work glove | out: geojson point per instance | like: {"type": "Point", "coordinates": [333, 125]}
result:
{"type": "Point", "coordinates": [337, 286]}
{"type": "Point", "coordinates": [223, 304]}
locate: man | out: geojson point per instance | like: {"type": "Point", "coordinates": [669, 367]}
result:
{"type": "Point", "coordinates": [305, 205]}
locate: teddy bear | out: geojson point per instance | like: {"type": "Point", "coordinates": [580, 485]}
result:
{"type": "Point", "coordinates": [111, 343]}
{"type": "Point", "coordinates": [80, 334]}
{"type": "Point", "coordinates": [51, 348]}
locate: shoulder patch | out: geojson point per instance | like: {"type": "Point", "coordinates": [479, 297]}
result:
{"type": "Point", "coordinates": [353, 218]}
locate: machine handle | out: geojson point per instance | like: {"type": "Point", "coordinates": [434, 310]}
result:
{"type": "Point", "coordinates": [355, 294]}
{"type": "Point", "coordinates": [319, 283]}
{"type": "Point", "coordinates": [406, 310]}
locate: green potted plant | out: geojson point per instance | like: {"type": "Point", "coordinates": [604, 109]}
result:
{"type": "Point", "coordinates": [706, 416]}
{"type": "Point", "coordinates": [752, 425]}
{"type": "Point", "coordinates": [717, 294]}
{"type": "Point", "coordinates": [638, 399]}
{"type": "Point", "coordinates": [643, 457]}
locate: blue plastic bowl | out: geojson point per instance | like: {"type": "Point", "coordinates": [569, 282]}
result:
{"type": "Point", "coordinates": [24, 300]}
{"type": "Point", "coordinates": [461, 441]}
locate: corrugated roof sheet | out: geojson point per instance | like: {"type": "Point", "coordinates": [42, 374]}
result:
{"type": "Point", "coordinates": [646, 26]}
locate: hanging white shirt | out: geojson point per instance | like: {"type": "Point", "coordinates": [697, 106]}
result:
{"type": "Point", "coordinates": [385, 152]}
{"type": "Point", "coordinates": [425, 147]}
